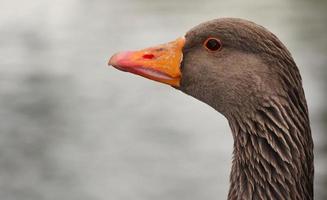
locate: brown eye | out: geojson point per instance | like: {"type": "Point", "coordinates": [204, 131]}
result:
{"type": "Point", "coordinates": [213, 44]}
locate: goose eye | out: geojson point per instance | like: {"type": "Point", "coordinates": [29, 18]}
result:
{"type": "Point", "coordinates": [212, 44]}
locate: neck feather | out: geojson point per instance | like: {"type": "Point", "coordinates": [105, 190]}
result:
{"type": "Point", "coordinates": [273, 152]}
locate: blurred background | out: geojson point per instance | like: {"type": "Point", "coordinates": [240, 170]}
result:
{"type": "Point", "coordinates": [73, 128]}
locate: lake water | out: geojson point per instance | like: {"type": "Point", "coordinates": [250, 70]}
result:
{"type": "Point", "coordinates": [73, 128]}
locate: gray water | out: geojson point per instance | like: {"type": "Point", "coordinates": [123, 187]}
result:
{"type": "Point", "coordinates": [73, 128]}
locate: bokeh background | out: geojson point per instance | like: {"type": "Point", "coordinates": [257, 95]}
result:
{"type": "Point", "coordinates": [73, 128]}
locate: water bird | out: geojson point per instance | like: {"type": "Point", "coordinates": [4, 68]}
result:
{"type": "Point", "coordinates": [244, 72]}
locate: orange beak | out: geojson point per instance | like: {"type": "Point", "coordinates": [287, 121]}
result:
{"type": "Point", "coordinates": [160, 63]}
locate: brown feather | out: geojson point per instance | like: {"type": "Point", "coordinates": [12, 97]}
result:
{"type": "Point", "coordinates": [256, 84]}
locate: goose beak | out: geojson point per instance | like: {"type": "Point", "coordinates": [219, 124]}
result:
{"type": "Point", "coordinates": [159, 63]}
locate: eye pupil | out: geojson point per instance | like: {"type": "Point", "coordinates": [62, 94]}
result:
{"type": "Point", "coordinates": [213, 44]}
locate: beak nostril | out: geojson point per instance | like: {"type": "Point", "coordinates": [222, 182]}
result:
{"type": "Point", "coordinates": [148, 56]}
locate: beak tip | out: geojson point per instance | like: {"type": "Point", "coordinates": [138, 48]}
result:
{"type": "Point", "coordinates": [113, 60]}
{"type": "Point", "coordinates": [119, 59]}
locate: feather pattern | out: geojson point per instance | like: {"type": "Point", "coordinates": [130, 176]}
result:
{"type": "Point", "coordinates": [272, 153]}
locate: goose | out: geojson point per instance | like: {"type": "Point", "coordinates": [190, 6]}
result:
{"type": "Point", "coordinates": [244, 72]}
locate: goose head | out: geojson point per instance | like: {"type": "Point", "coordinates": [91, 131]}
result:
{"type": "Point", "coordinates": [230, 64]}
{"type": "Point", "coordinates": [244, 72]}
